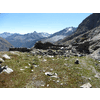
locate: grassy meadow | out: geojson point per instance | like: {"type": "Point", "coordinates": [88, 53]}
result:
{"type": "Point", "coordinates": [29, 71]}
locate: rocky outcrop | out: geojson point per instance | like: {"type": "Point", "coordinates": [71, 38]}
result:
{"type": "Point", "coordinates": [47, 45]}
{"type": "Point", "coordinates": [20, 49]}
{"type": "Point", "coordinates": [83, 47]}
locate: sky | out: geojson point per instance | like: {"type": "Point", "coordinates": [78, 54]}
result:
{"type": "Point", "coordinates": [40, 22]}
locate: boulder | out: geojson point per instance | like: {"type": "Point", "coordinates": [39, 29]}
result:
{"type": "Point", "coordinates": [1, 60]}
{"type": "Point", "coordinates": [5, 56]}
{"type": "Point", "coordinates": [77, 61]}
{"type": "Point", "coordinates": [8, 70]}
{"type": "Point", "coordinates": [50, 52]}
{"type": "Point", "coordinates": [83, 47]}
{"type": "Point", "coordinates": [97, 75]}
{"type": "Point", "coordinates": [96, 54]}
{"type": "Point", "coordinates": [51, 74]}
{"type": "Point", "coordinates": [2, 68]}
{"type": "Point", "coordinates": [87, 85]}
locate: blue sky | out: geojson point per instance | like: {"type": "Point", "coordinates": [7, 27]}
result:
{"type": "Point", "coordinates": [41, 22]}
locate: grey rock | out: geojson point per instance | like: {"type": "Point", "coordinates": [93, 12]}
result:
{"type": "Point", "coordinates": [51, 74]}
{"type": "Point", "coordinates": [77, 61]}
{"type": "Point", "coordinates": [87, 85]}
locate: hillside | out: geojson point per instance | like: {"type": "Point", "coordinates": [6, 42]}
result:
{"type": "Point", "coordinates": [4, 45]}
{"type": "Point", "coordinates": [36, 71]}
{"type": "Point", "coordinates": [87, 24]}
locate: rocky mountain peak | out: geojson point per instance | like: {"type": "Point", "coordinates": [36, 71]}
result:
{"type": "Point", "coordinates": [87, 24]}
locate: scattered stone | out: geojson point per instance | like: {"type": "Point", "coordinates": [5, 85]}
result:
{"type": "Point", "coordinates": [39, 57]}
{"type": "Point", "coordinates": [87, 85]}
{"type": "Point", "coordinates": [26, 67]}
{"type": "Point", "coordinates": [47, 85]}
{"type": "Point", "coordinates": [36, 65]}
{"type": "Point", "coordinates": [77, 61]}
{"type": "Point", "coordinates": [50, 56]}
{"type": "Point", "coordinates": [51, 74]}
{"type": "Point", "coordinates": [55, 75]}
{"type": "Point", "coordinates": [58, 81]}
{"type": "Point", "coordinates": [97, 75]}
{"type": "Point", "coordinates": [5, 56]}
{"type": "Point", "coordinates": [29, 64]}
{"type": "Point", "coordinates": [8, 70]}
{"type": "Point", "coordinates": [22, 69]}
{"type": "Point", "coordinates": [51, 69]}
{"type": "Point", "coordinates": [14, 53]}
{"type": "Point", "coordinates": [61, 84]}
{"type": "Point", "coordinates": [44, 60]}
{"type": "Point", "coordinates": [43, 70]}
{"type": "Point", "coordinates": [2, 68]}
{"type": "Point", "coordinates": [1, 60]}
{"type": "Point", "coordinates": [32, 70]}
{"type": "Point", "coordinates": [39, 83]}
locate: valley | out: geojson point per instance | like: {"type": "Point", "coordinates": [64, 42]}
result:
{"type": "Point", "coordinates": [69, 58]}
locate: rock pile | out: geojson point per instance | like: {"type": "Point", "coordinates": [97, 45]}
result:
{"type": "Point", "coordinates": [20, 49]}
{"type": "Point", "coordinates": [47, 45]}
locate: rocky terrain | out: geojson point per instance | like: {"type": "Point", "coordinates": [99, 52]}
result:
{"type": "Point", "coordinates": [86, 38]}
{"type": "Point", "coordinates": [48, 69]}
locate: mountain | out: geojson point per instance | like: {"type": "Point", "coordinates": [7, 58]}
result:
{"type": "Point", "coordinates": [44, 34]}
{"type": "Point", "coordinates": [86, 39]}
{"type": "Point", "coordinates": [27, 40]}
{"type": "Point", "coordinates": [6, 34]}
{"type": "Point", "coordinates": [87, 24]}
{"type": "Point", "coordinates": [4, 45]}
{"type": "Point", "coordinates": [60, 35]}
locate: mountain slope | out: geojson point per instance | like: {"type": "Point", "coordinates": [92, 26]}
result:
{"type": "Point", "coordinates": [87, 24]}
{"type": "Point", "coordinates": [4, 45]}
{"type": "Point", "coordinates": [60, 35]}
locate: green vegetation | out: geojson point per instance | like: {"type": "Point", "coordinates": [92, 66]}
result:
{"type": "Point", "coordinates": [29, 71]}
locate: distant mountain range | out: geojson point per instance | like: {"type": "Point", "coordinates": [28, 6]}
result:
{"type": "Point", "coordinates": [88, 30]}
{"type": "Point", "coordinates": [6, 34]}
{"type": "Point", "coordinates": [27, 40]}
{"type": "Point", "coordinates": [60, 35]}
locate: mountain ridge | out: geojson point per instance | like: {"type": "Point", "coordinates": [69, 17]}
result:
{"type": "Point", "coordinates": [26, 40]}
{"type": "Point", "coordinates": [87, 24]}
{"type": "Point", "coordinates": [60, 34]}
